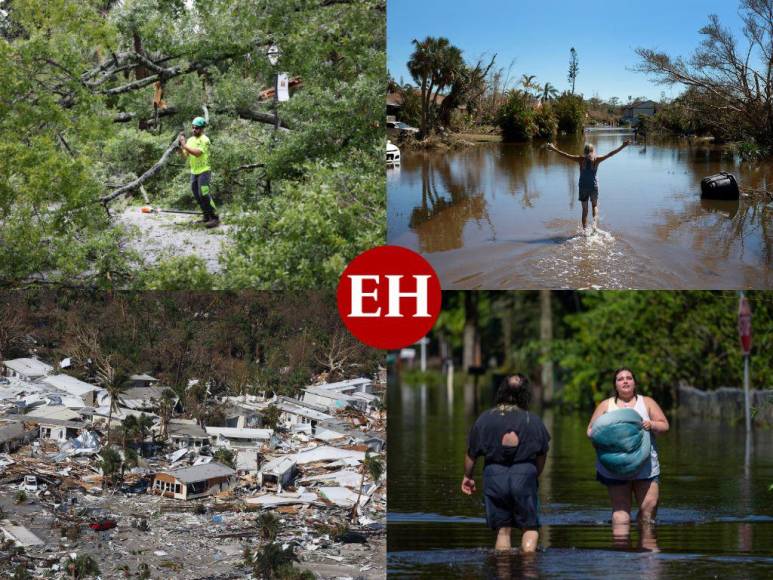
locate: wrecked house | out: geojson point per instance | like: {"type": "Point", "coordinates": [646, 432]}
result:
{"type": "Point", "coordinates": [279, 472]}
{"type": "Point", "coordinates": [57, 423]}
{"type": "Point", "coordinates": [142, 381]}
{"type": "Point", "coordinates": [297, 412]}
{"type": "Point", "coordinates": [143, 398]}
{"type": "Point", "coordinates": [195, 481]}
{"type": "Point", "coordinates": [355, 393]}
{"type": "Point", "coordinates": [13, 435]}
{"type": "Point", "coordinates": [241, 438]}
{"type": "Point", "coordinates": [26, 369]}
{"type": "Point", "coordinates": [186, 433]}
{"type": "Point", "coordinates": [76, 388]}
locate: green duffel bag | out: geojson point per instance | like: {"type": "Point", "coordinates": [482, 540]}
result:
{"type": "Point", "coordinates": [622, 445]}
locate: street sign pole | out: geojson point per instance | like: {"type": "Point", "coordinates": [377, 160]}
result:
{"type": "Point", "coordinates": [745, 332]}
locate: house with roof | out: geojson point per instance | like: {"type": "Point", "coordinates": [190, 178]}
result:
{"type": "Point", "coordinates": [26, 369]}
{"type": "Point", "coordinates": [194, 481]}
{"type": "Point", "coordinates": [56, 422]}
{"type": "Point", "coordinates": [74, 387]}
{"type": "Point", "coordinates": [13, 435]}
{"type": "Point", "coordinates": [633, 111]}
{"type": "Point", "coordinates": [357, 393]}
{"type": "Point", "coordinates": [245, 438]}
{"type": "Point", "coordinates": [294, 412]}
{"type": "Point", "coordinates": [279, 471]}
{"type": "Point", "coordinates": [186, 433]}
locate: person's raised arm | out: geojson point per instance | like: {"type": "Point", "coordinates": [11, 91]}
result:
{"type": "Point", "coordinates": [602, 407]}
{"type": "Point", "coordinates": [551, 147]}
{"type": "Point", "coordinates": [625, 144]}
{"type": "Point", "coordinates": [658, 422]}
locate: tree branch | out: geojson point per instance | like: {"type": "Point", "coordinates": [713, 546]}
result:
{"type": "Point", "coordinates": [129, 187]}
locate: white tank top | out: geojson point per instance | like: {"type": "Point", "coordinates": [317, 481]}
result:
{"type": "Point", "coordinates": [649, 468]}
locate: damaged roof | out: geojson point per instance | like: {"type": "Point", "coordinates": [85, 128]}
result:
{"type": "Point", "coordinates": [30, 367]}
{"type": "Point", "coordinates": [201, 472]}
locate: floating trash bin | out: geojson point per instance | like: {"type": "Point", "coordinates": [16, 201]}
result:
{"type": "Point", "coordinates": [720, 186]}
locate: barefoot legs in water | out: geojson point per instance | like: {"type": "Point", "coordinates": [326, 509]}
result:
{"type": "Point", "coordinates": [647, 493]}
{"type": "Point", "coordinates": [528, 541]}
{"type": "Point", "coordinates": [595, 205]}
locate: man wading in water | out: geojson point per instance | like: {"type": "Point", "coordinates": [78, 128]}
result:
{"type": "Point", "coordinates": [589, 183]}
{"type": "Point", "coordinates": [514, 444]}
{"type": "Point", "coordinates": [196, 149]}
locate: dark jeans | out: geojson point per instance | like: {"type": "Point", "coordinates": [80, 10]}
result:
{"type": "Point", "coordinates": [200, 189]}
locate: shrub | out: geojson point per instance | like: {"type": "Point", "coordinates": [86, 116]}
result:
{"type": "Point", "coordinates": [570, 112]}
{"type": "Point", "coordinates": [516, 118]}
{"type": "Point", "coordinates": [547, 122]}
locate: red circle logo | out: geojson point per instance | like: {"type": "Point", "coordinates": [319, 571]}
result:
{"type": "Point", "coordinates": [389, 297]}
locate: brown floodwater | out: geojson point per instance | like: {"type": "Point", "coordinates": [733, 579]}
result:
{"type": "Point", "coordinates": [507, 216]}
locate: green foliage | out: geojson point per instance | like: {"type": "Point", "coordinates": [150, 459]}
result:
{"type": "Point", "coordinates": [517, 117]}
{"type": "Point", "coordinates": [374, 466]}
{"type": "Point", "coordinates": [273, 562]}
{"type": "Point", "coordinates": [83, 566]}
{"type": "Point", "coordinates": [110, 462]}
{"type": "Point", "coordinates": [21, 573]}
{"type": "Point", "coordinates": [225, 456]}
{"type": "Point", "coordinates": [570, 112]}
{"type": "Point", "coordinates": [305, 235]}
{"type": "Point", "coordinates": [20, 497]}
{"type": "Point", "coordinates": [178, 273]}
{"type": "Point", "coordinates": [546, 121]}
{"type": "Point", "coordinates": [268, 524]}
{"type": "Point", "coordinates": [271, 416]}
{"type": "Point", "coordinates": [60, 150]}
{"type": "Point", "coordinates": [665, 337]}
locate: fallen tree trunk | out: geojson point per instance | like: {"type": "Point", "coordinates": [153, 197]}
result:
{"type": "Point", "coordinates": [129, 187]}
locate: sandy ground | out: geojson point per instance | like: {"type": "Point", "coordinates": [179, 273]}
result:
{"type": "Point", "coordinates": [164, 235]}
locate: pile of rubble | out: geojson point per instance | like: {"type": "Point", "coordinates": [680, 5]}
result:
{"type": "Point", "coordinates": [196, 505]}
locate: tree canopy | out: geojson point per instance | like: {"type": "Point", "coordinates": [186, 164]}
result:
{"type": "Point", "coordinates": [93, 94]}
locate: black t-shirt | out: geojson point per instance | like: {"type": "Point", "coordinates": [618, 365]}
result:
{"type": "Point", "coordinates": [486, 436]}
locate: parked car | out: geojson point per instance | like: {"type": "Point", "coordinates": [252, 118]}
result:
{"type": "Point", "coordinates": [30, 484]}
{"type": "Point", "coordinates": [392, 154]}
{"type": "Point", "coordinates": [401, 128]}
{"type": "Point", "coordinates": [103, 524]}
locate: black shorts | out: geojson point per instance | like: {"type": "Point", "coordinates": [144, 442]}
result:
{"type": "Point", "coordinates": [510, 496]}
{"type": "Point", "coordinates": [592, 194]}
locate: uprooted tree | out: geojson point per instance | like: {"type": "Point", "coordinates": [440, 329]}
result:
{"type": "Point", "coordinates": [730, 83]}
{"type": "Point", "coordinates": [93, 94]}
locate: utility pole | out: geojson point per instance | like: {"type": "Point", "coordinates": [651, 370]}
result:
{"type": "Point", "coordinates": [745, 332]}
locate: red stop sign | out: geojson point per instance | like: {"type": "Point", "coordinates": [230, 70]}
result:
{"type": "Point", "coordinates": [745, 324]}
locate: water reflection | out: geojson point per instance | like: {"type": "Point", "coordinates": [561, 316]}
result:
{"type": "Point", "coordinates": [715, 514]}
{"type": "Point", "coordinates": [501, 215]}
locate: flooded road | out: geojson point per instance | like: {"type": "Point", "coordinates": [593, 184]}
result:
{"type": "Point", "coordinates": [499, 216]}
{"type": "Point", "coordinates": [715, 517]}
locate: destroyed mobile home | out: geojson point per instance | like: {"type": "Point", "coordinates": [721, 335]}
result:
{"type": "Point", "coordinates": [187, 500]}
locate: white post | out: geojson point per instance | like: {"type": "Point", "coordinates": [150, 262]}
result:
{"type": "Point", "coordinates": [423, 343]}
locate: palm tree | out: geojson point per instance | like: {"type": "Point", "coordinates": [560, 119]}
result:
{"type": "Point", "coordinates": [435, 64]}
{"type": "Point", "coordinates": [373, 466]}
{"type": "Point", "coordinates": [115, 383]}
{"type": "Point", "coordinates": [165, 408]}
{"type": "Point", "coordinates": [549, 92]}
{"type": "Point", "coordinates": [527, 81]}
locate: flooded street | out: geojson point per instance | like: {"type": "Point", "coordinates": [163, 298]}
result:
{"type": "Point", "coordinates": [713, 519]}
{"type": "Point", "coordinates": [507, 216]}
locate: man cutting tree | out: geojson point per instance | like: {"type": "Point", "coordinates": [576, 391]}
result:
{"type": "Point", "coordinates": [196, 149]}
